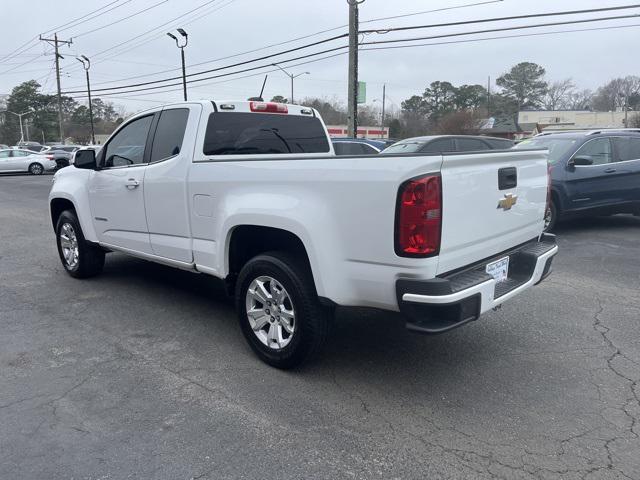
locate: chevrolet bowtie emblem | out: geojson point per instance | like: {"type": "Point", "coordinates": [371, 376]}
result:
{"type": "Point", "coordinates": [508, 201]}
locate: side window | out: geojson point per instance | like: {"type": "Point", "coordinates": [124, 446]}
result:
{"type": "Point", "coordinates": [368, 149]}
{"type": "Point", "coordinates": [347, 148]}
{"type": "Point", "coordinates": [4, 154]}
{"type": "Point", "coordinates": [340, 148]}
{"type": "Point", "coordinates": [470, 145]}
{"type": "Point", "coordinates": [438, 146]}
{"type": "Point", "coordinates": [20, 153]}
{"type": "Point", "coordinates": [627, 148]}
{"type": "Point", "coordinates": [598, 150]}
{"type": "Point", "coordinates": [127, 147]}
{"type": "Point", "coordinates": [167, 141]}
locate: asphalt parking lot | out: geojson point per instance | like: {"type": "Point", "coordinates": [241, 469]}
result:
{"type": "Point", "coordinates": [143, 373]}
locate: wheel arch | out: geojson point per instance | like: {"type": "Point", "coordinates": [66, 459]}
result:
{"type": "Point", "coordinates": [57, 206]}
{"type": "Point", "coordinates": [58, 203]}
{"type": "Point", "coordinates": [245, 241]}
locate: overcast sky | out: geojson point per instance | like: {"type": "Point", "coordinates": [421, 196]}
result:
{"type": "Point", "coordinates": [228, 27]}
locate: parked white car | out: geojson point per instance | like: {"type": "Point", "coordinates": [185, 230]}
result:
{"type": "Point", "coordinates": [18, 160]}
{"type": "Point", "coordinates": [251, 193]}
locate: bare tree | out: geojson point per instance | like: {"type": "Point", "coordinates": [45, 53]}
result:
{"type": "Point", "coordinates": [615, 93]}
{"type": "Point", "coordinates": [558, 95]}
{"type": "Point", "coordinates": [580, 100]}
{"type": "Point", "coordinates": [463, 122]}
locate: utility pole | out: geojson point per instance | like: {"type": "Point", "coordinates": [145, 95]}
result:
{"type": "Point", "coordinates": [352, 97]}
{"type": "Point", "coordinates": [181, 47]}
{"type": "Point", "coordinates": [291, 76]}
{"type": "Point", "coordinates": [384, 99]}
{"type": "Point", "coordinates": [489, 96]}
{"type": "Point", "coordinates": [626, 109]}
{"type": "Point", "coordinates": [86, 64]}
{"type": "Point", "coordinates": [54, 41]}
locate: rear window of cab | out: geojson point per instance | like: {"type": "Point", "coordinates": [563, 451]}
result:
{"type": "Point", "coordinates": [242, 133]}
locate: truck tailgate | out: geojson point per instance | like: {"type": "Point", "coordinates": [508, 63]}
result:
{"type": "Point", "coordinates": [480, 219]}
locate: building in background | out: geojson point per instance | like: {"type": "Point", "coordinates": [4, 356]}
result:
{"type": "Point", "coordinates": [340, 131]}
{"type": "Point", "coordinates": [559, 120]}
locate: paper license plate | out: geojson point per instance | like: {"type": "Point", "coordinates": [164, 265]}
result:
{"type": "Point", "coordinates": [499, 269]}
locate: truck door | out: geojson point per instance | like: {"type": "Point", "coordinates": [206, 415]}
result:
{"type": "Point", "coordinates": [165, 183]}
{"type": "Point", "coordinates": [116, 190]}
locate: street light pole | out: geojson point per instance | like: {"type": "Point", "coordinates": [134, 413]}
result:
{"type": "Point", "coordinates": [291, 76]}
{"type": "Point", "coordinates": [87, 64]}
{"type": "Point", "coordinates": [20, 115]}
{"type": "Point", "coordinates": [181, 47]}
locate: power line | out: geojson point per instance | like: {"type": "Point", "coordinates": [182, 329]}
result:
{"type": "Point", "coordinates": [152, 30]}
{"type": "Point", "coordinates": [302, 38]}
{"type": "Point", "coordinates": [153, 82]}
{"type": "Point", "coordinates": [393, 17]}
{"type": "Point", "coordinates": [21, 49]}
{"type": "Point", "coordinates": [121, 19]}
{"type": "Point", "coordinates": [373, 48]}
{"type": "Point", "coordinates": [502, 19]}
{"type": "Point", "coordinates": [504, 29]}
{"type": "Point", "coordinates": [98, 13]}
{"type": "Point", "coordinates": [222, 81]}
{"type": "Point", "coordinates": [228, 66]}
{"type": "Point", "coordinates": [472, 40]}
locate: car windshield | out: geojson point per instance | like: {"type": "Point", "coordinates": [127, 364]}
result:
{"type": "Point", "coordinates": [557, 146]}
{"type": "Point", "coordinates": [404, 147]}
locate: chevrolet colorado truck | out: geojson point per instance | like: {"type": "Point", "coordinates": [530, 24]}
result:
{"type": "Point", "coordinates": [252, 193]}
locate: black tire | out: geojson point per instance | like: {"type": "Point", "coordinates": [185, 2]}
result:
{"type": "Point", "coordinates": [311, 319]}
{"type": "Point", "coordinates": [551, 217]}
{"type": "Point", "coordinates": [90, 257]}
{"type": "Point", "coordinates": [36, 169]}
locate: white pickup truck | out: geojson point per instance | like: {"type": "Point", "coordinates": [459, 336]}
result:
{"type": "Point", "coordinates": [251, 192]}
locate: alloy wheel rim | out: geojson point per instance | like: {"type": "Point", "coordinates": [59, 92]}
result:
{"type": "Point", "coordinates": [69, 245]}
{"type": "Point", "coordinates": [270, 312]}
{"type": "Point", "coordinates": [37, 169]}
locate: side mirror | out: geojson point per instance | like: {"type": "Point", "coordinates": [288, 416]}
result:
{"type": "Point", "coordinates": [581, 161]}
{"type": "Point", "coordinates": [86, 159]}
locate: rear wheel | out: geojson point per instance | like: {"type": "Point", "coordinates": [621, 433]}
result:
{"type": "Point", "coordinates": [36, 169]}
{"type": "Point", "coordinates": [81, 259]}
{"type": "Point", "coordinates": [550, 217]}
{"type": "Point", "coordinates": [278, 309]}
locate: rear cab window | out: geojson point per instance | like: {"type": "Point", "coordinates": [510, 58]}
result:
{"type": "Point", "coordinates": [243, 133]}
{"type": "Point", "coordinates": [169, 134]}
{"type": "Point", "coordinates": [627, 148]}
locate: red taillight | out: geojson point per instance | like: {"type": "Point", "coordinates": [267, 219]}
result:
{"type": "Point", "coordinates": [268, 107]}
{"type": "Point", "coordinates": [419, 217]}
{"type": "Point", "coordinates": [50, 157]}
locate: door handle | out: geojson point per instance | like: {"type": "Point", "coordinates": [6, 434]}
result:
{"type": "Point", "coordinates": [610, 170]}
{"type": "Point", "coordinates": [132, 183]}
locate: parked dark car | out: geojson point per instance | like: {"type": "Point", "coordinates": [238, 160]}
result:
{"type": "Point", "coordinates": [62, 154]}
{"type": "Point", "coordinates": [448, 143]}
{"type": "Point", "coordinates": [592, 172]}
{"type": "Point", "coordinates": [357, 146]}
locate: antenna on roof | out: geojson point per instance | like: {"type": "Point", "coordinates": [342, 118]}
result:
{"type": "Point", "coordinates": [259, 97]}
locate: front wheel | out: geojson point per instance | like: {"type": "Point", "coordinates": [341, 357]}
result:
{"type": "Point", "coordinates": [278, 309]}
{"type": "Point", "coordinates": [81, 259]}
{"type": "Point", "coordinates": [36, 169]}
